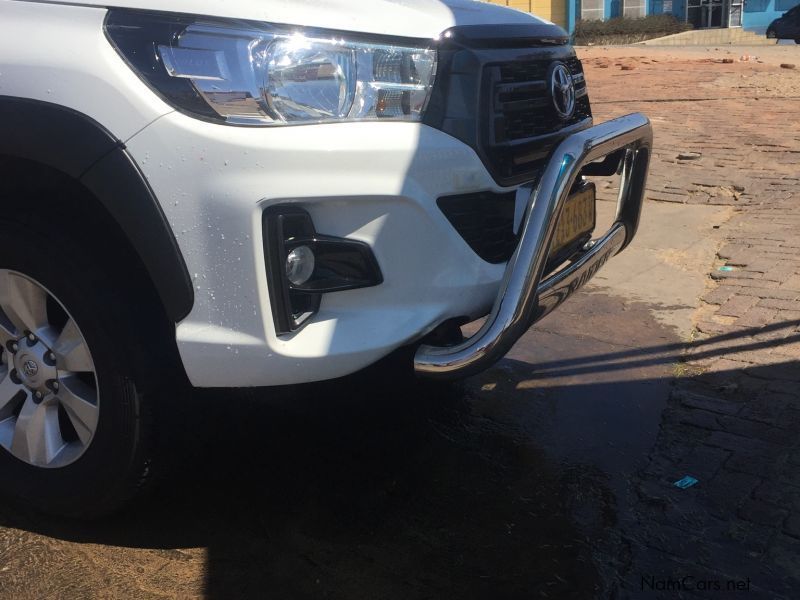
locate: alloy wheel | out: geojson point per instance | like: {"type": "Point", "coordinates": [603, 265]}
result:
{"type": "Point", "coordinates": [49, 396]}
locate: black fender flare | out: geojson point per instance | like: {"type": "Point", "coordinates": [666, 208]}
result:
{"type": "Point", "coordinates": [80, 147]}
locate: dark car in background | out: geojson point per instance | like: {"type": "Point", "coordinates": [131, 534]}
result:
{"type": "Point", "coordinates": [786, 27]}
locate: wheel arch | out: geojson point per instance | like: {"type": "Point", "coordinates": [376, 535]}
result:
{"type": "Point", "coordinates": [51, 141]}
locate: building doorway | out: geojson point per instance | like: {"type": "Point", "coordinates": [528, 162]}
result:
{"type": "Point", "coordinates": [706, 14]}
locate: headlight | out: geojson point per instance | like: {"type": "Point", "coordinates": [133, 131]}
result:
{"type": "Point", "coordinates": [247, 73]}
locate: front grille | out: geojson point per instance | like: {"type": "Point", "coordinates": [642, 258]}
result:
{"type": "Point", "coordinates": [522, 104]}
{"type": "Point", "coordinates": [485, 221]}
{"type": "Point", "coordinates": [493, 92]}
{"type": "Point", "coordinates": [524, 125]}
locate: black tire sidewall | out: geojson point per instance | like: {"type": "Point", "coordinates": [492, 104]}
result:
{"type": "Point", "coordinates": [105, 468]}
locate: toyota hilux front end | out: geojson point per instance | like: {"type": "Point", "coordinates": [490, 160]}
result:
{"type": "Point", "coordinates": [298, 190]}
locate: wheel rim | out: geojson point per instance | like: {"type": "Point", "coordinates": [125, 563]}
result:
{"type": "Point", "coordinates": [49, 397]}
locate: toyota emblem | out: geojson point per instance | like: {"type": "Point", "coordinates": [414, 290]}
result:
{"type": "Point", "coordinates": [30, 368]}
{"type": "Point", "coordinates": [563, 90]}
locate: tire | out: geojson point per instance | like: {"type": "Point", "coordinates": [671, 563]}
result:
{"type": "Point", "coordinates": [81, 458]}
{"type": "Point", "coordinates": [771, 35]}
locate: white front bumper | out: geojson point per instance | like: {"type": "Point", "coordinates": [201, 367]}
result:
{"type": "Point", "coordinates": [373, 182]}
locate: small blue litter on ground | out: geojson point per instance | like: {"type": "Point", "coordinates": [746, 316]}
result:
{"type": "Point", "coordinates": [726, 268]}
{"type": "Point", "coordinates": [686, 482]}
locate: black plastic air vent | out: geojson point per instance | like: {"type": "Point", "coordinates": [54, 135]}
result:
{"type": "Point", "coordinates": [485, 221]}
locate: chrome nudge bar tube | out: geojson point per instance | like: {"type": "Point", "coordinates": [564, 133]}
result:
{"type": "Point", "coordinates": [524, 297]}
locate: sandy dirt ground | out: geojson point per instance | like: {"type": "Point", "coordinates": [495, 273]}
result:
{"type": "Point", "coordinates": [714, 72]}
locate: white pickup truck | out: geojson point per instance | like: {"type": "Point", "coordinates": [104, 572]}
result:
{"type": "Point", "coordinates": [270, 192]}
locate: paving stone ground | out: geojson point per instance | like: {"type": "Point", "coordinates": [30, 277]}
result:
{"type": "Point", "coordinates": [726, 134]}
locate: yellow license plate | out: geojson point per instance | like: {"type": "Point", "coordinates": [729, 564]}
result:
{"type": "Point", "coordinates": [577, 219]}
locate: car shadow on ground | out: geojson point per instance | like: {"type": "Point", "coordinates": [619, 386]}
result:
{"type": "Point", "coordinates": [370, 486]}
{"type": "Point", "coordinates": [354, 488]}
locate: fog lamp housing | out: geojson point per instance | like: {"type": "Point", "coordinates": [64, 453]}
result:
{"type": "Point", "coordinates": [302, 265]}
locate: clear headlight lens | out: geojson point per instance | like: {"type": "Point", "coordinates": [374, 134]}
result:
{"type": "Point", "coordinates": [308, 80]}
{"type": "Point", "coordinates": [247, 74]}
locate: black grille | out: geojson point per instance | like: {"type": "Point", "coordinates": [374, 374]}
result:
{"type": "Point", "coordinates": [485, 221]}
{"type": "Point", "coordinates": [524, 125]}
{"type": "Point", "coordinates": [493, 92]}
{"type": "Point", "coordinates": [522, 101]}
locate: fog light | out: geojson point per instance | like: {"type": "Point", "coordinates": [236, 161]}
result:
{"type": "Point", "coordinates": [300, 265]}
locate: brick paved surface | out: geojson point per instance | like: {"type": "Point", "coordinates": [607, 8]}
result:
{"type": "Point", "coordinates": [728, 134]}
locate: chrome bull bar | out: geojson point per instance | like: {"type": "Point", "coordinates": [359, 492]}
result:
{"type": "Point", "coordinates": [524, 298]}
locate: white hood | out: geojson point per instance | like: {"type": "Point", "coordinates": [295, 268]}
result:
{"type": "Point", "coordinates": [406, 18]}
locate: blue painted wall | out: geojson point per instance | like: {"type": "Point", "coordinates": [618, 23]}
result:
{"type": "Point", "coordinates": [613, 8]}
{"type": "Point", "coordinates": [757, 13]}
{"type": "Point", "coordinates": [678, 8]}
{"type": "Point", "coordinates": [760, 13]}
